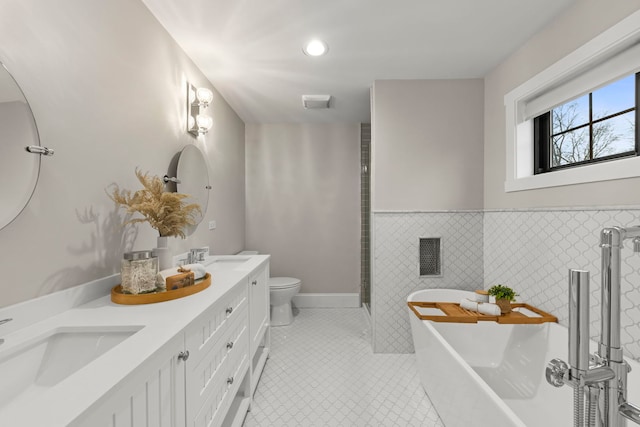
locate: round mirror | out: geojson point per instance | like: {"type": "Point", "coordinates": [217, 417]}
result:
{"type": "Point", "coordinates": [19, 169]}
{"type": "Point", "coordinates": [193, 178]}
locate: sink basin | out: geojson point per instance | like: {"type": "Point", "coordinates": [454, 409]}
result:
{"type": "Point", "coordinates": [48, 359]}
{"type": "Point", "coordinates": [225, 262]}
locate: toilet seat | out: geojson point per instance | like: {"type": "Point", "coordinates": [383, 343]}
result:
{"type": "Point", "coordinates": [283, 282]}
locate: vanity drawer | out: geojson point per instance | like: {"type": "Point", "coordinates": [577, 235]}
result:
{"type": "Point", "coordinates": [218, 394]}
{"type": "Point", "coordinates": [208, 373]}
{"type": "Point", "coordinates": [206, 330]}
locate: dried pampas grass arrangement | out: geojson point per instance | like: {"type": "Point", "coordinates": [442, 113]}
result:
{"type": "Point", "coordinates": [166, 212]}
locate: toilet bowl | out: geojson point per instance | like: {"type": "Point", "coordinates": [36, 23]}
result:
{"type": "Point", "coordinates": [281, 291]}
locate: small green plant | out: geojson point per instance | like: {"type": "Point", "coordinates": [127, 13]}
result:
{"type": "Point", "coordinates": [503, 292]}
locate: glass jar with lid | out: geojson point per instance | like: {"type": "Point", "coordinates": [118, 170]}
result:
{"type": "Point", "coordinates": [138, 272]}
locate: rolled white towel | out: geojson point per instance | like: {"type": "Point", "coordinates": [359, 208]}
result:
{"type": "Point", "coordinates": [489, 309]}
{"type": "Point", "coordinates": [468, 304]}
{"type": "Point", "coordinates": [199, 271]}
{"type": "Point", "coordinates": [480, 307]}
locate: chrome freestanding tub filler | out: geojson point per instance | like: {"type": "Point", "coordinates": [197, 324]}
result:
{"type": "Point", "coordinates": [490, 374]}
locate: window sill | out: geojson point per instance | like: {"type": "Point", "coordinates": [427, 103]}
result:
{"type": "Point", "coordinates": [618, 169]}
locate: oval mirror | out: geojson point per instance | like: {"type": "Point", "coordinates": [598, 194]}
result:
{"type": "Point", "coordinates": [193, 178]}
{"type": "Point", "coordinates": [19, 169]}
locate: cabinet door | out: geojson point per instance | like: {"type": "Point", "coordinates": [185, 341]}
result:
{"type": "Point", "coordinates": [258, 307]}
{"type": "Point", "coordinates": [153, 395]}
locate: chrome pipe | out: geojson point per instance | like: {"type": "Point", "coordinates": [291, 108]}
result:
{"type": "Point", "coordinates": [578, 339]}
{"type": "Point", "coordinates": [611, 243]}
{"type": "Point", "coordinates": [609, 351]}
{"type": "Point", "coordinates": [613, 405]}
{"type": "Point", "coordinates": [578, 322]}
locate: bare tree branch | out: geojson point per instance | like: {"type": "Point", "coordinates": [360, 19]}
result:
{"type": "Point", "coordinates": [573, 146]}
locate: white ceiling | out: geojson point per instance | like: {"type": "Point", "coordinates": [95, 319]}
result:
{"type": "Point", "coordinates": [251, 50]}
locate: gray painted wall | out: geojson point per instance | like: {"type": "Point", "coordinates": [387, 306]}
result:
{"type": "Point", "coordinates": [107, 87]}
{"type": "Point", "coordinates": [573, 28]}
{"type": "Point", "coordinates": [303, 202]}
{"type": "Point", "coordinates": [427, 144]}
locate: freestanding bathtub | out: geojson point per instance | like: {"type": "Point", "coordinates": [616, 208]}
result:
{"type": "Point", "coordinates": [488, 374]}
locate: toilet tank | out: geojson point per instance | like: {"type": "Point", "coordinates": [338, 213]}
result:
{"type": "Point", "coordinates": [247, 253]}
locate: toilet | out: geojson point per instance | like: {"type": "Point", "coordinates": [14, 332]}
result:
{"type": "Point", "coordinates": [281, 291]}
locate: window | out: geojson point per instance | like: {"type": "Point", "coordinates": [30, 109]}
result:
{"type": "Point", "coordinates": [612, 55]}
{"type": "Point", "coordinates": [595, 127]}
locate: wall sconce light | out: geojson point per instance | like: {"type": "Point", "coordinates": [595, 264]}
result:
{"type": "Point", "coordinates": [197, 101]}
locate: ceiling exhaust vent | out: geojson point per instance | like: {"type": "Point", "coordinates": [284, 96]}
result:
{"type": "Point", "coordinates": [316, 101]}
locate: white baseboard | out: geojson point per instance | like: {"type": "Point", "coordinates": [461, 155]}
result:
{"type": "Point", "coordinates": [332, 300]}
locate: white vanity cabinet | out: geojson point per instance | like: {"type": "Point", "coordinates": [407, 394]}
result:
{"type": "Point", "coordinates": [153, 395]}
{"type": "Point", "coordinates": [198, 379]}
{"type": "Point", "coordinates": [206, 374]}
{"type": "Point", "coordinates": [259, 322]}
{"type": "Point", "coordinates": [218, 345]}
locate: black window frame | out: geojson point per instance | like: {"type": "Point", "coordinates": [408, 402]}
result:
{"type": "Point", "coordinates": [542, 137]}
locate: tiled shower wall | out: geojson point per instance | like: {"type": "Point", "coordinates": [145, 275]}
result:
{"type": "Point", "coordinates": [396, 270]}
{"type": "Point", "coordinates": [529, 250]}
{"type": "Point", "coordinates": [532, 251]}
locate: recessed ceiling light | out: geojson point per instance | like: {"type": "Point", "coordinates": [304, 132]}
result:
{"type": "Point", "coordinates": [315, 48]}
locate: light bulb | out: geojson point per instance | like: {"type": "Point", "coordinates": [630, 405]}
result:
{"type": "Point", "coordinates": [191, 122]}
{"type": "Point", "coordinates": [204, 95]}
{"type": "Point", "coordinates": [204, 123]}
{"type": "Point", "coordinates": [315, 48]}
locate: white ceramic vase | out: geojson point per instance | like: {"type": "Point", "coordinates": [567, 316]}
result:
{"type": "Point", "coordinates": [163, 253]}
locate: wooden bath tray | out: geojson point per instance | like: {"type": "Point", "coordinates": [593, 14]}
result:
{"type": "Point", "coordinates": [129, 299]}
{"type": "Point", "coordinates": [453, 313]}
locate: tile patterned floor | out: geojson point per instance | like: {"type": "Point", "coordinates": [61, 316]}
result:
{"type": "Point", "coordinates": [322, 372]}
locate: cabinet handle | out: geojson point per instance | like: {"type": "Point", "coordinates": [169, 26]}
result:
{"type": "Point", "coordinates": [230, 380]}
{"type": "Point", "coordinates": [230, 345]}
{"type": "Point", "coordinates": [255, 282]}
{"type": "Point", "coordinates": [183, 355]}
{"type": "Point", "coordinates": [229, 310]}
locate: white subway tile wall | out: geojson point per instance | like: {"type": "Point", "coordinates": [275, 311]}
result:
{"type": "Point", "coordinates": [532, 252]}
{"type": "Point", "coordinates": [396, 270]}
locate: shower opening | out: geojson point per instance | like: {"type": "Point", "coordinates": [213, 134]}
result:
{"type": "Point", "coordinates": [365, 215]}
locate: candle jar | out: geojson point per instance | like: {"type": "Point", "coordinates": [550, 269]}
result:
{"type": "Point", "coordinates": [482, 296]}
{"type": "Point", "coordinates": [138, 272]}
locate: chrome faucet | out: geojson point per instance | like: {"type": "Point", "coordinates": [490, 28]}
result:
{"type": "Point", "coordinates": [2, 322]}
{"type": "Point", "coordinates": [601, 377]}
{"type": "Point", "coordinates": [197, 255]}
{"type": "Point", "coordinates": [613, 403]}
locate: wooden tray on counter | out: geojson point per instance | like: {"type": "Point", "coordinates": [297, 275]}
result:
{"type": "Point", "coordinates": [129, 299]}
{"type": "Point", "coordinates": [453, 313]}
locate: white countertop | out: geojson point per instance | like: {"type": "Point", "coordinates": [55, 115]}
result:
{"type": "Point", "coordinates": [59, 405]}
